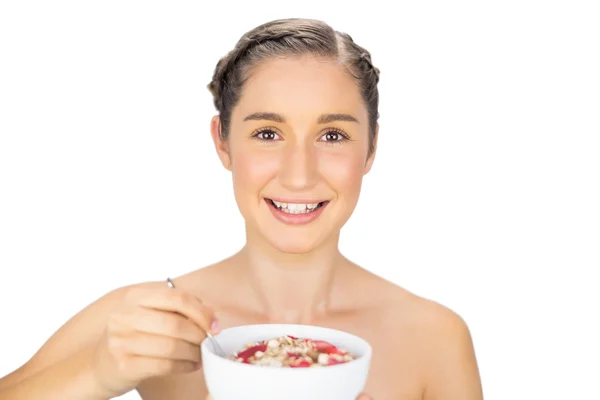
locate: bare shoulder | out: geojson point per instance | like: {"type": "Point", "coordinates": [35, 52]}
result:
{"type": "Point", "coordinates": [429, 317]}
{"type": "Point", "coordinates": [403, 308]}
{"type": "Point", "coordinates": [444, 344]}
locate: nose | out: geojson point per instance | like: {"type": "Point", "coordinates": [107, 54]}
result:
{"type": "Point", "coordinates": [299, 167]}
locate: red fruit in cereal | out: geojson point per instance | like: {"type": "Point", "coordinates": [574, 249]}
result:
{"type": "Point", "coordinates": [325, 347]}
{"type": "Point", "coordinates": [336, 350]}
{"type": "Point", "coordinates": [301, 364]}
{"type": "Point", "coordinates": [250, 351]}
{"type": "Point", "coordinates": [289, 351]}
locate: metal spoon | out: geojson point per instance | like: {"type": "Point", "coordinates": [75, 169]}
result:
{"type": "Point", "coordinates": [215, 343]}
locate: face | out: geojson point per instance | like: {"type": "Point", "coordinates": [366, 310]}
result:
{"type": "Point", "coordinates": [298, 150]}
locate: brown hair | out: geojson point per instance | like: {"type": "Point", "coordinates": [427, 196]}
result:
{"type": "Point", "coordinates": [292, 37]}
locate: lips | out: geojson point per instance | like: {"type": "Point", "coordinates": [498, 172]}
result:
{"type": "Point", "coordinates": [296, 208]}
{"type": "Point", "coordinates": [296, 213]}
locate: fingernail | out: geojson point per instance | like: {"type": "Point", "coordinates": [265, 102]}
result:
{"type": "Point", "coordinates": [215, 326]}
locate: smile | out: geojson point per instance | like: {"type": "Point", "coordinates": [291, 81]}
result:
{"type": "Point", "coordinates": [296, 213]}
{"type": "Point", "coordinates": [296, 208]}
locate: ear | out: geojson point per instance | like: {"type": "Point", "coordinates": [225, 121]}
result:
{"type": "Point", "coordinates": [371, 157]}
{"type": "Point", "coordinates": [220, 144]}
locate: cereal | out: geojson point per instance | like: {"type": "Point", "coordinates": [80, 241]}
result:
{"type": "Point", "coordinates": [292, 352]}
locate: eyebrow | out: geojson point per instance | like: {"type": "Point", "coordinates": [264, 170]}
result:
{"type": "Point", "coordinates": [323, 118]}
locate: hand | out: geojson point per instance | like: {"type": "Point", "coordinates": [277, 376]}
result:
{"type": "Point", "coordinates": [153, 332]}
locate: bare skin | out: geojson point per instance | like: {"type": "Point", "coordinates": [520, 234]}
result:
{"type": "Point", "coordinates": [145, 337]}
{"type": "Point", "coordinates": [422, 350]}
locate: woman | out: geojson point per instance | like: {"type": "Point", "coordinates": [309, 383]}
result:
{"type": "Point", "coordinates": [297, 127]}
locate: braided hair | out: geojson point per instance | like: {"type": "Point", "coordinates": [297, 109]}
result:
{"type": "Point", "coordinates": [292, 37]}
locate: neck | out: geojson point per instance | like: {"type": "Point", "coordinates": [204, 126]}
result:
{"type": "Point", "coordinates": [290, 288]}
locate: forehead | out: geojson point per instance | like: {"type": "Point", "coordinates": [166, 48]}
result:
{"type": "Point", "coordinates": [301, 88]}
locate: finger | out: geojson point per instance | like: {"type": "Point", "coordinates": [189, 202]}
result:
{"type": "Point", "coordinates": [166, 323]}
{"type": "Point", "coordinates": [151, 366]}
{"type": "Point", "coordinates": [155, 346]}
{"type": "Point", "coordinates": [184, 303]}
{"type": "Point", "coordinates": [364, 396]}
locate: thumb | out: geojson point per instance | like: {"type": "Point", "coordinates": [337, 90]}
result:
{"type": "Point", "coordinates": [364, 396]}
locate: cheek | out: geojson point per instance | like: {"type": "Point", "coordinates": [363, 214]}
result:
{"type": "Point", "coordinates": [251, 172]}
{"type": "Point", "coordinates": [344, 172]}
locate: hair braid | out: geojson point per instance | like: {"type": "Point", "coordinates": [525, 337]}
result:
{"type": "Point", "coordinates": [292, 37]}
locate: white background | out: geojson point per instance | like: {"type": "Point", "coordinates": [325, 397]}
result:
{"type": "Point", "coordinates": [484, 195]}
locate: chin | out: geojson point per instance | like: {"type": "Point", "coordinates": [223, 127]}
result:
{"type": "Point", "coordinates": [294, 244]}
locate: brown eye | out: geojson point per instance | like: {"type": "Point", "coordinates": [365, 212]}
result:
{"type": "Point", "coordinates": [266, 135]}
{"type": "Point", "coordinates": [332, 136]}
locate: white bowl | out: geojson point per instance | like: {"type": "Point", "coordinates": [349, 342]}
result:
{"type": "Point", "coordinates": [230, 380]}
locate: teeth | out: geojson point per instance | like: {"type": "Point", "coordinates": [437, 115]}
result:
{"type": "Point", "coordinates": [295, 208]}
{"type": "Point", "coordinates": [279, 205]}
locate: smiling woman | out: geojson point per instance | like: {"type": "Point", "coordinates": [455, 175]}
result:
{"type": "Point", "coordinates": [297, 128]}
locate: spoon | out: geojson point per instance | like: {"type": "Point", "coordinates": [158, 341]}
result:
{"type": "Point", "coordinates": [215, 343]}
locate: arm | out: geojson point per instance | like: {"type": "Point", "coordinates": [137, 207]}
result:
{"type": "Point", "coordinates": [59, 368]}
{"type": "Point", "coordinates": [68, 379]}
{"type": "Point", "coordinates": [454, 374]}
{"type": "Point", "coordinates": [126, 337]}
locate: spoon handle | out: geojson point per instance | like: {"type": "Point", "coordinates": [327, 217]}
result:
{"type": "Point", "coordinates": [213, 340]}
